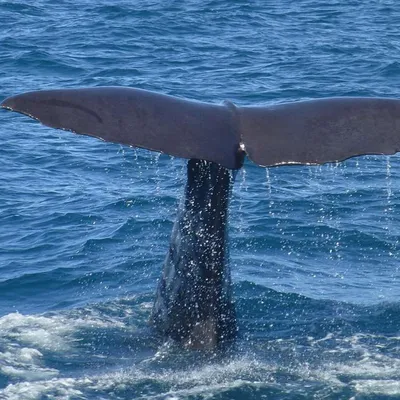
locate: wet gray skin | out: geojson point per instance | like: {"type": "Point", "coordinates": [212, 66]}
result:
{"type": "Point", "coordinates": [193, 304]}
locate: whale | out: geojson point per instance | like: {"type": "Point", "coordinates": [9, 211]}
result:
{"type": "Point", "coordinates": [194, 305]}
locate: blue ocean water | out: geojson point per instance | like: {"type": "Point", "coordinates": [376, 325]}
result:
{"type": "Point", "coordinates": [85, 224]}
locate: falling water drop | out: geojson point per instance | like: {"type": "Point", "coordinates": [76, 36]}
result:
{"type": "Point", "coordinates": [268, 182]}
{"type": "Point", "coordinates": [388, 180]}
{"type": "Point", "coordinates": [243, 183]}
{"type": "Point", "coordinates": [155, 161]}
{"type": "Point", "coordinates": [242, 189]}
{"type": "Point", "coordinates": [138, 166]}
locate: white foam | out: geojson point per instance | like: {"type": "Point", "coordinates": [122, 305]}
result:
{"type": "Point", "coordinates": [50, 332]}
{"type": "Point", "coordinates": [359, 359]}
{"type": "Point", "coordinates": [210, 379]}
{"type": "Point", "coordinates": [378, 387]}
{"type": "Point", "coordinates": [24, 363]}
{"type": "Point", "coordinates": [61, 389]}
{"type": "Point", "coordinates": [367, 370]}
{"type": "Point", "coordinates": [24, 338]}
{"type": "Point", "coordinates": [207, 380]}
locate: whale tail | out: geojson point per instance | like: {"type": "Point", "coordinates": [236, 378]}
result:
{"type": "Point", "coordinates": [308, 132]}
{"type": "Point", "coordinates": [194, 299]}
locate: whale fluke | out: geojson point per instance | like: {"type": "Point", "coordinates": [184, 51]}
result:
{"type": "Point", "coordinates": [320, 131]}
{"type": "Point", "coordinates": [137, 118]}
{"type": "Point", "coordinates": [307, 132]}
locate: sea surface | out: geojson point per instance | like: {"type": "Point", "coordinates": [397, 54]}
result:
{"type": "Point", "coordinates": [85, 225]}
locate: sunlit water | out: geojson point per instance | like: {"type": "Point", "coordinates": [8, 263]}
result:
{"type": "Point", "coordinates": [85, 224]}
